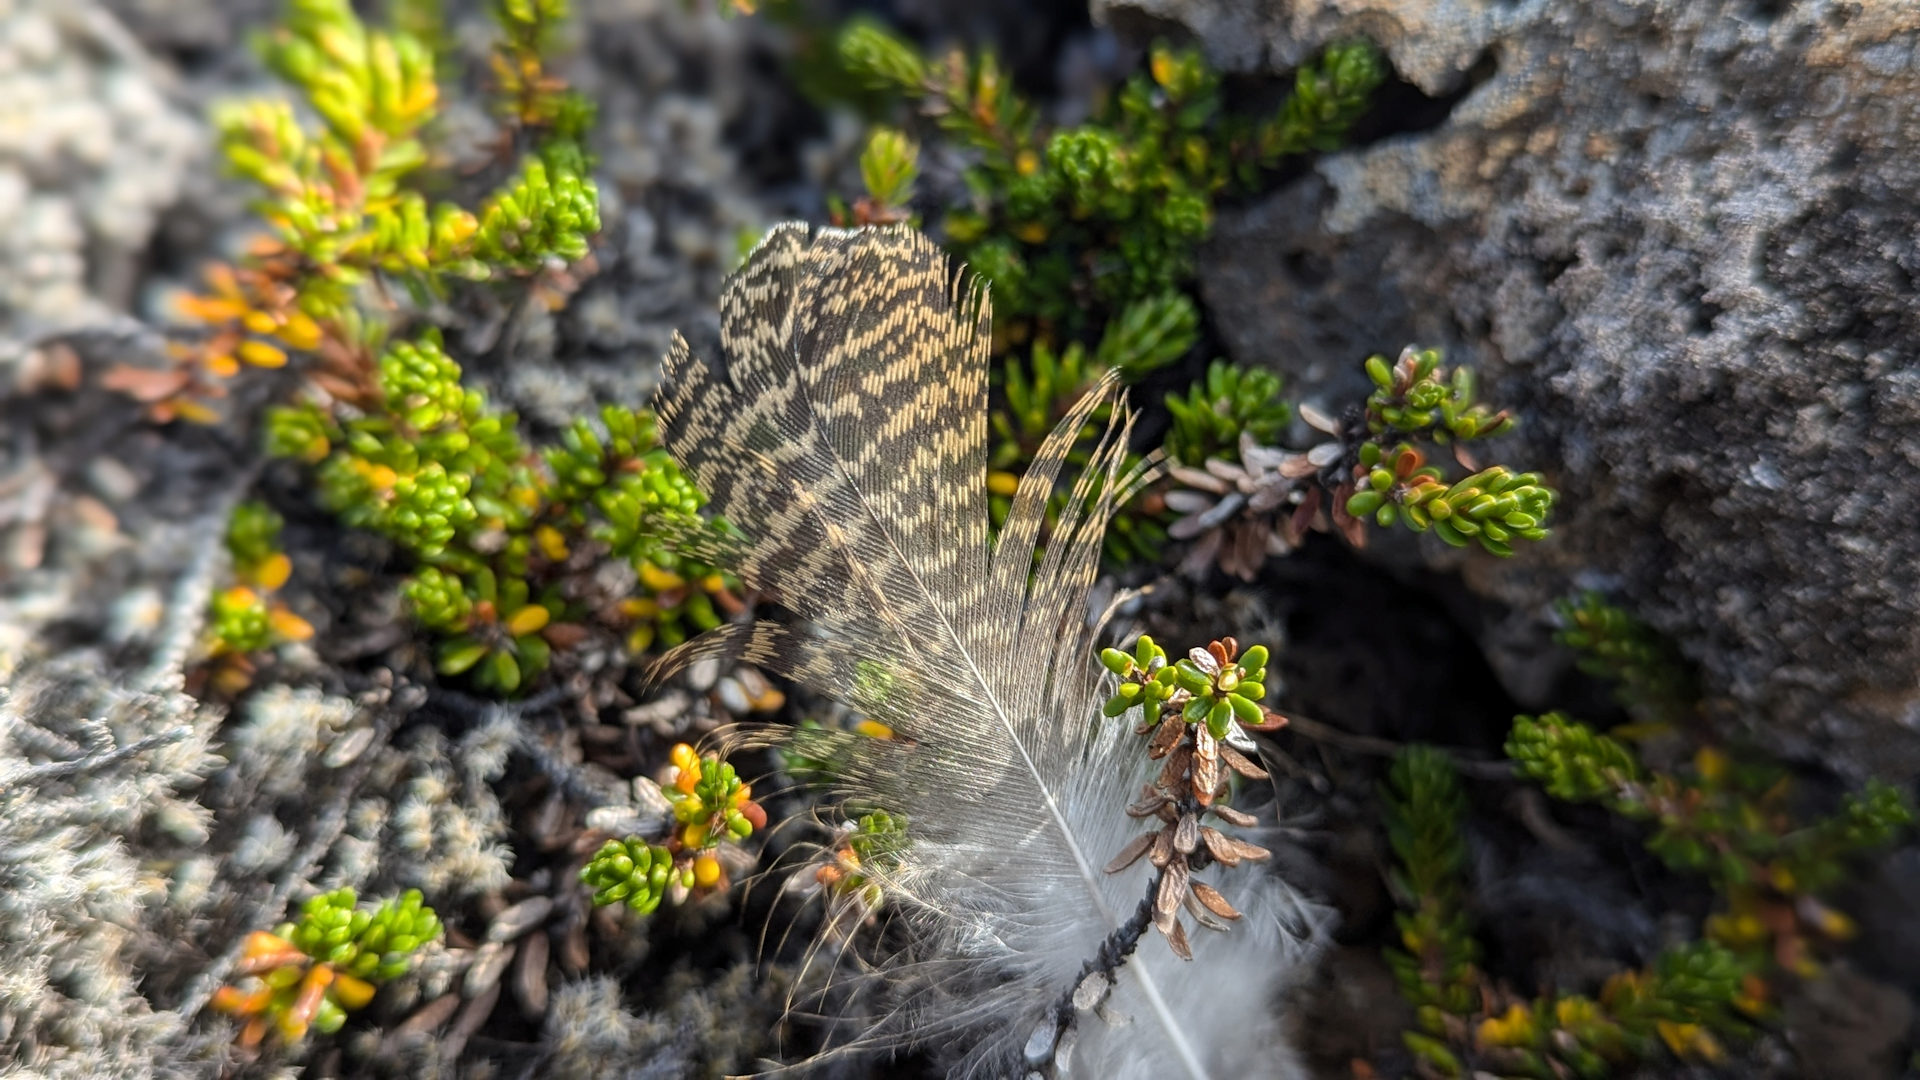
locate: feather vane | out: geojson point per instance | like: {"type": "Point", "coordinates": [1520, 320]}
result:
{"type": "Point", "coordinates": [844, 430]}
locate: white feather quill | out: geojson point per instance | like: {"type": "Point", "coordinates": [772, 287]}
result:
{"type": "Point", "coordinates": [844, 430]}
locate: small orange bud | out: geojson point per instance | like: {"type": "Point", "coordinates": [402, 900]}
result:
{"type": "Point", "coordinates": [261, 354]}
{"type": "Point", "coordinates": [288, 626]}
{"type": "Point", "coordinates": [351, 993]}
{"type": "Point", "coordinates": [552, 544]}
{"type": "Point", "coordinates": [658, 580]}
{"type": "Point", "coordinates": [381, 478]}
{"type": "Point", "coordinates": [640, 639]}
{"type": "Point", "coordinates": [193, 412]}
{"type": "Point", "coordinates": [301, 331]}
{"type": "Point", "coordinates": [230, 679]}
{"type": "Point", "coordinates": [273, 571]}
{"type": "Point", "coordinates": [528, 620]}
{"type": "Point", "coordinates": [706, 871]}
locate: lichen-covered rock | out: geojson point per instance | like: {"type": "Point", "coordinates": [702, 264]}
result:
{"type": "Point", "coordinates": [92, 150]}
{"type": "Point", "coordinates": [1684, 238]}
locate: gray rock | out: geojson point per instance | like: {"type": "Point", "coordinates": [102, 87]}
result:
{"type": "Point", "coordinates": [1683, 239]}
{"type": "Point", "coordinates": [93, 148]}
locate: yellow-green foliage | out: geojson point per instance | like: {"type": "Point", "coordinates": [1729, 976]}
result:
{"type": "Point", "coordinates": [711, 807]}
{"type": "Point", "coordinates": [498, 525]}
{"type": "Point", "coordinates": [505, 535]}
{"type": "Point", "coordinates": [307, 975]}
{"type": "Point", "coordinates": [1087, 233]}
{"type": "Point", "coordinates": [1648, 674]}
{"type": "Point", "coordinates": [1073, 224]}
{"type": "Point", "coordinates": [345, 198]}
{"type": "Point", "coordinates": [1734, 822]}
{"type": "Point", "coordinates": [1468, 1025]}
{"type": "Point", "coordinates": [1418, 399]}
{"type": "Point", "coordinates": [248, 616]}
{"type": "Point", "coordinates": [1730, 820]}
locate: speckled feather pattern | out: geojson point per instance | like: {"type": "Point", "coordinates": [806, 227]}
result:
{"type": "Point", "coordinates": [843, 430]}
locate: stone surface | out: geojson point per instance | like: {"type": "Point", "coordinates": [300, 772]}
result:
{"type": "Point", "coordinates": [92, 149]}
{"type": "Point", "coordinates": [1683, 238]}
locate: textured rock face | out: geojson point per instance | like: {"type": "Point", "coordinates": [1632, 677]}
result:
{"type": "Point", "coordinates": [91, 151]}
{"type": "Point", "coordinates": [1684, 238]}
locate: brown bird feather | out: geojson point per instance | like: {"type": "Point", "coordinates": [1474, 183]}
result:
{"type": "Point", "coordinates": [843, 432]}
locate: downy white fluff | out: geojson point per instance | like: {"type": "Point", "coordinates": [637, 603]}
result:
{"type": "Point", "coordinates": [844, 432]}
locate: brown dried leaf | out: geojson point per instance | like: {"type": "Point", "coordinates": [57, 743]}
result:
{"type": "Point", "coordinates": [428, 1018]}
{"type": "Point", "coordinates": [1166, 735]}
{"type": "Point", "coordinates": [1298, 466]}
{"type": "Point", "coordinates": [1273, 722]}
{"type": "Point", "coordinates": [489, 963]}
{"type": "Point", "coordinates": [1186, 834]}
{"type": "Point", "coordinates": [1245, 851]}
{"type": "Point", "coordinates": [1210, 898]}
{"type": "Point", "coordinates": [1352, 528]}
{"type": "Point", "coordinates": [1177, 941]}
{"type": "Point", "coordinates": [1151, 800]}
{"type": "Point", "coordinates": [530, 976]}
{"type": "Point", "coordinates": [1204, 917]}
{"type": "Point", "coordinates": [574, 953]}
{"type": "Point", "coordinates": [1206, 765]}
{"type": "Point", "coordinates": [1130, 854]}
{"type": "Point", "coordinates": [1163, 847]}
{"type": "Point", "coordinates": [1164, 922]}
{"type": "Point", "coordinates": [1173, 775]}
{"type": "Point", "coordinates": [1239, 763]}
{"type": "Point", "coordinates": [1234, 817]}
{"type": "Point", "coordinates": [1217, 846]}
{"type": "Point", "coordinates": [1173, 887]}
{"type": "Point", "coordinates": [1316, 418]}
{"type": "Point", "coordinates": [514, 922]}
{"type": "Point", "coordinates": [1198, 478]}
{"type": "Point", "coordinates": [1294, 529]}
{"type": "Point", "coordinates": [146, 385]}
